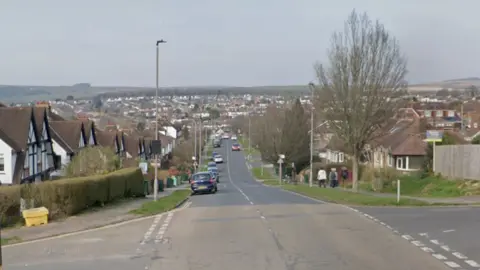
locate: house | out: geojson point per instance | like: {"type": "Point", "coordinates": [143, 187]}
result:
{"type": "Point", "coordinates": [108, 139]}
{"type": "Point", "coordinates": [133, 146]}
{"type": "Point", "coordinates": [90, 130]}
{"type": "Point", "coordinates": [24, 149]}
{"type": "Point", "coordinates": [68, 138]}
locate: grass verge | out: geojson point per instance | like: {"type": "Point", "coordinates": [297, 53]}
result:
{"type": "Point", "coordinates": [244, 143]}
{"type": "Point", "coordinates": [349, 198]}
{"type": "Point", "coordinates": [432, 186]}
{"type": "Point", "coordinates": [163, 204]}
{"type": "Point", "coordinates": [265, 175]}
{"type": "Point", "coordinates": [7, 241]}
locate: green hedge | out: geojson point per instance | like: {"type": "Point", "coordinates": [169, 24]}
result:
{"type": "Point", "coordinates": [68, 197]}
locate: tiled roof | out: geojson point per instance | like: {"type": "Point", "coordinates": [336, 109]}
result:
{"type": "Point", "coordinates": [15, 123]}
{"type": "Point", "coordinates": [67, 134]}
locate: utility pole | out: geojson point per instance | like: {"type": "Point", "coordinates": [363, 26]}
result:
{"type": "Point", "coordinates": [312, 89]}
{"type": "Point", "coordinates": [249, 132]}
{"type": "Point", "coordinates": [155, 181]}
{"type": "Point", "coordinates": [200, 152]}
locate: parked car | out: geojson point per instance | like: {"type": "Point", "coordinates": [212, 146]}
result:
{"type": "Point", "coordinates": [203, 182]}
{"type": "Point", "coordinates": [236, 147]}
{"type": "Point", "coordinates": [234, 137]}
{"type": "Point", "coordinates": [226, 136]}
{"type": "Point", "coordinates": [218, 159]}
{"type": "Point", "coordinates": [212, 164]}
{"type": "Point", "coordinates": [214, 171]}
{"type": "Point", "coordinates": [217, 143]}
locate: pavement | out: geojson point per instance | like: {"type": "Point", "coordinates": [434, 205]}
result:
{"type": "Point", "coordinates": [245, 225]}
{"type": "Point", "coordinates": [95, 218]}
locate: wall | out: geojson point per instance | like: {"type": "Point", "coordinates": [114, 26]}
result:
{"type": "Point", "coordinates": [58, 150]}
{"type": "Point", "coordinates": [458, 161]}
{"type": "Point", "coordinates": [7, 176]}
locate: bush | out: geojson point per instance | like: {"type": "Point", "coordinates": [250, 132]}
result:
{"type": "Point", "coordinates": [68, 197]}
{"type": "Point", "coordinates": [93, 161]}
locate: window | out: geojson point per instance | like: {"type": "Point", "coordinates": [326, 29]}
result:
{"type": "Point", "coordinates": [402, 163]}
{"type": "Point", "coordinates": [340, 157]}
{"type": "Point", "coordinates": [390, 160]}
{"type": "Point", "coordinates": [2, 163]}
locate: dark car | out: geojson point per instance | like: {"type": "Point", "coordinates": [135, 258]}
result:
{"type": "Point", "coordinates": [203, 182]}
{"type": "Point", "coordinates": [217, 143]}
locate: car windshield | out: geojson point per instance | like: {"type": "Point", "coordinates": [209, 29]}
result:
{"type": "Point", "coordinates": [218, 156]}
{"type": "Point", "coordinates": [212, 164]}
{"type": "Point", "coordinates": [201, 177]}
{"type": "Point", "coordinates": [236, 144]}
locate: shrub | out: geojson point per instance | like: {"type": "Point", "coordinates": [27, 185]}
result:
{"type": "Point", "coordinates": [67, 197]}
{"type": "Point", "coordinates": [93, 161]}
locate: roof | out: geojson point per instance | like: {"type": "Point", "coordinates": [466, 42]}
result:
{"type": "Point", "coordinates": [67, 134]}
{"type": "Point", "coordinates": [106, 138]}
{"type": "Point", "coordinates": [132, 145]}
{"type": "Point", "coordinates": [15, 124]}
{"type": "Point", "coordinates": [412, 145]}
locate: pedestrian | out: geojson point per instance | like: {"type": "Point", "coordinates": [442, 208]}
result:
{"type": "Point", "coordinates": [322, 177]}
{"type": "Point", "coordinates": [344, 175]}
{"type": "Point", "coordinates": [333, 178]}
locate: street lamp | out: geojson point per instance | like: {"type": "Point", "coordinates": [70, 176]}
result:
{"type": "Point", "coordinates": [280, 162]}
{"type": "Point", "coordinates": [312, 89]}
{"type": "Point", "coordinates": [155, 182]}
{"type": "Point", "coordinates": [249, 132]}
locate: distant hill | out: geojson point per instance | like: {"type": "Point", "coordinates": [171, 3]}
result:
{"type": "Point", "coordinates": [456, 84]}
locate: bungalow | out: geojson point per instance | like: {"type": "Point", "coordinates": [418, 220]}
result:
{"type": "Point", "coordinates": [69, 138]}
{"type": "Point", "coordinates": [90, 135]}
{"type": "Point", "coordinates": [108, 139]}
{"type": "Point", "coordinates": [133, 146]}
{"type": "Point", "coordinates": [21, 161]}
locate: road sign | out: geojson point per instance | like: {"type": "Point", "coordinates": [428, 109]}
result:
{"type": "Point", "coordinates": [280, 161]}
{"type": "Point", "coordinates": [434, 136]}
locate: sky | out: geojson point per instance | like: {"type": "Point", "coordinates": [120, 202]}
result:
{"type": "Point", "coordinates": [220, 42]}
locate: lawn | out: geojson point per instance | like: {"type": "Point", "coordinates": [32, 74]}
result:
{"type": "Point", "coordinates": [163, 204]}
{"type": "Point", "coordinates": [341, 196]}
{"type": "Point", "coordinates": [6, 241]}
{"type": "Point", "coordinates": [432, 186]}
{"type": "Point", "coordinates": [266, 175]}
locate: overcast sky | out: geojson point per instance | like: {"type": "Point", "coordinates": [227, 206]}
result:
{"type": "Point", "coordinates": [219, 42]}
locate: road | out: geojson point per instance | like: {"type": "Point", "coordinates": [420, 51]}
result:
{"type": "Point", "coordinates": [450, 232]}
{"type": "Point", "coordinates": [244, 226]}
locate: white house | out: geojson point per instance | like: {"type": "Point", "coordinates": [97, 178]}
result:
{"type": "Point", "coordinates": [24, 149]}
{"type": "Point", "coordinates": [68, 137]}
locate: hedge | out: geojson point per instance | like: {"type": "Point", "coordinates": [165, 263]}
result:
{"type": "Point", "coordinates": [68, 197]}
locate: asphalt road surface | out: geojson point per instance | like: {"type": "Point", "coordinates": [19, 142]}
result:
{"type": "Point", "coordinates": [245, 225]}
{"type": "Point", "coordinates": [451, 232]}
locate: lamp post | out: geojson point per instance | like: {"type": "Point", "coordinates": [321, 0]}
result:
{"type": "Point", "coordinates": [249, 132]}
{"type": "Point", "coordinates": [155, 181]}
{"type": "Point", "coordinates": [312, 89]}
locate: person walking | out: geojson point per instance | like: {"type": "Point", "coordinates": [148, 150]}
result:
{"type": "Point", "coordinates": [322, 177]}
{"type": "Point", "coordinates": [344, 175]}
{"type": "Point", "coordinates": [333, 178]}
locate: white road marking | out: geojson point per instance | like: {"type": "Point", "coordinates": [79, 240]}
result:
{"type": "Point", "coordinates": [407, 237]}
{"type": "Point", "coordinates": [163, 229]}
{"type": "Point", "coordinates": [439, 256]}
{"type": "Point", "coordinates": [418, 243]}
{"type": "Point", "coordinates": [459, 255]}
{"type": "Point", "coordinates": [472, 263]}
{"type": "Point", "coordinates": [436, 242]}
{"type": "Point", "coordinates": [423, 234]}
{"type": "Point", "coordinates": [445, 247]}
{"type": "Point", "coordinates": [150, 230]}
{"type": "Point", "coordinates": [427, 249]}
{"type": "Point", "coordinates": [230, 179]}
{"type": "Point", "coordinates": [447, 231]}
{"type": "Point", "coordinates": [452, 264]}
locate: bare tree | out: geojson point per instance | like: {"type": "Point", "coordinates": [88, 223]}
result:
{"type": "Point", "coordinates": [267, 133]}
{"type": "Point", "coordinates": [360, 85]}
